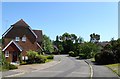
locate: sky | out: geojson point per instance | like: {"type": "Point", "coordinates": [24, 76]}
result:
{"type": "Point", "coordinates": [56, 18]}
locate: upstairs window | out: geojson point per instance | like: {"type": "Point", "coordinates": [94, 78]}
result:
{"type": "Point", "coordinates": [24, 38]}
{"type": "Point", "coordinates": [6, 53]}
{"type": "Point", "coordinates": [17, 38]}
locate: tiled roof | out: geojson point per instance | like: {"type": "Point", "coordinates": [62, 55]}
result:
{"type": "Point", "coordinates": [39, 35]}
{"type": "Point", "coordinates": [21, 23]}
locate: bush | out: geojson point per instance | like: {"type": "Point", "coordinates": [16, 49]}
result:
{"type": "Point", "coordinates": [105, 57]}
{"type": "Point", "coordinates": [82, 56]}
{"type": "Point", "coordinates": [88, 50]}
{"type": "Point", "coordinates": [40, 59]}
{"type": "Point", "coordinates": [73, 54]}
{"type": "Point", "coordinates": [23, 63]}
{"type": "Point", "coordinates": [98, 58]}
{"type": "Point", "coordinates": [31, 56]}
{"type": "Point", "coordinates": [5, 65]}
{"type": "Point", "coordinates": [11, 66]}
{"type": "Point", "coordinates": [50, 57]}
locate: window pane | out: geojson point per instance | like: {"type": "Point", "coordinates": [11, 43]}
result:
{"type": "Point", "coordinates": [6, 53]}
{"type": "Point", "coordinates": [24, 38]}
{"type": "Point", "coordinates": [17, 39]}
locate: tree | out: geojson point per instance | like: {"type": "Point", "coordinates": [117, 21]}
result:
{"type": "Point", "coordinates": [73, 37]}
{"type": "Point", "coordinates": [58, 44]}
{"type": "Point", "coordinates": [47, 44]}
{"type": "Point", "coordinates": [94, 38]}
{"type": "Point", "coordinates": [0, 41]}
{"type": "Point", "coordinates": [80, 40]}
{"type": "Point", "coordinates": [88, 49]}
{"type": "Point", "coordinates": [116, 49]}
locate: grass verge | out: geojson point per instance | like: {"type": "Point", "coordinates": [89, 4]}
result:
{"type": "Point", "coordinates": [115, 68]}
{"type": "Point", "coordinates": [48, 60]}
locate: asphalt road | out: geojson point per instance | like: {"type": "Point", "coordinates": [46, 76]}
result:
{"type": "Point", "coordinates": [69, 67]}
{"type": "Point", "coordinates": [101, 71]}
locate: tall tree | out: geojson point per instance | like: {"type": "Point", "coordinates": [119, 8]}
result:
{"type": "Point", "coordinates": [0, 41]}
{"type": "Point", "coordinates": [94, 38]}
{"type": "Point", "coordinates": [47, 44]}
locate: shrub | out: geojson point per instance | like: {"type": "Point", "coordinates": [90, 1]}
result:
{"type": "Point", "coordinates": [98, 58]}
{"type": "Point", "coordinates": [11, 66]}
{"type": "Point", "coordinates": [82, 56]}
{"type": "Point", "coordinates": [105, 57]}
{"type": "Point", "coordinates": [31, 56]}
{"type": "Point", "coordinates": [73, 54]}
{"type": "Point", "coordinates": [23, 63]}
{"type": "Point", "coordinates": [40, 59]}
{"type": "Point", "coordinates": [5, 65]}
{"type": "Point", "coordinates": [50, 57]}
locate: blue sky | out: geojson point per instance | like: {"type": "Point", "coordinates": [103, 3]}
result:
{"type": "Point", "coordinates": [56, 18]}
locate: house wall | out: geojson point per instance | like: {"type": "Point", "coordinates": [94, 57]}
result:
{"type": "Point", "coordinates": [12, 49]}
{"type": "Point", "coordinates": [27, 45]}
{"type": "Point", "coordinates": [6, 41]}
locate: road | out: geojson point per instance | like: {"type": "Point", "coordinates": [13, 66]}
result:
{"type": "Point", "coordinates": [69, 67]}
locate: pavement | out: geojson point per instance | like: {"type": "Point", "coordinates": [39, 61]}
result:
{"type": "Point", "coordinates": [22, 69]}
{"type": "Point", "coordinates": [102, 71]}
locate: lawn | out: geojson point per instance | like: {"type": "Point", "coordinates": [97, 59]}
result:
{"type": "Point", "coordinates": [115, 68]}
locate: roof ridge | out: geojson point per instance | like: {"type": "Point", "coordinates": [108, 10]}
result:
{"type": "Point", "coordinates": [21, 22]}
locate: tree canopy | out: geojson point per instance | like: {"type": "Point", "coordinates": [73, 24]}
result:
{"type": "Point", "coordinates": [47, 44]}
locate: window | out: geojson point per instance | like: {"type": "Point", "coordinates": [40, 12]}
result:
{"type": "Point", "coordinates": [26, 57]}
{"type": "Point", "coordinates": [24, 38]}
{"type": "Point", "coordinates": [17, 38]}
{"type": "Point", "coordinates": [23, 58]}
{"type": "Point", "coordinates": [6, 53]}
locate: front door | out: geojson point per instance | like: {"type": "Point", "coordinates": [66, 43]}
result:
{"type": "Point", "coordinates": [14, 59]}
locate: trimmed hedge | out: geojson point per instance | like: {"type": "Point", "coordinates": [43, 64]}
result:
{"type": "Point", "coordinates": [105, 57]}
{"type": "Point", "coordinates": [50, 57]}
{"type": "Point", "coordinates": [73, 54]}
{"type": "Point", "coordinates": [40, 59]}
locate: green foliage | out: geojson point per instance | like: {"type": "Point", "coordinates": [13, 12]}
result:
{"type": "Point", "coordinates": [20, 57]}
{"type": "Point", "coordinates": [48, 46]}
{"type": "Point", "coordinates": [116, 49]}
{"type": "Point", "coordinates": [68, 42]}
{"type": "Point", "coordinates": [23, 63]}
{"type": "Point", "coordinates": [11, 66]}
{"type": "Point", "coordinates": [40, 59]}
{"type": "Point", "coordinates": [50, 57]}
{"type": "Point", "coordinates": [73, 54]}
{"type": "Point", "coordinates": [34, 57]}
{"type": "Point", "coordinates": [6, 65]}
{"type": "Point", "coordinates": [88, 50]}
{"type": "Point", "coordinates": [94, 38]}
{"type": "Point", "coordinates": [105, 57]}
{"type": "Point", "coordinates": [31, 56]}
{"type": "Point", "coordinates": [68, 46]}
{"type": "Point", "coordinates": [0, 41]}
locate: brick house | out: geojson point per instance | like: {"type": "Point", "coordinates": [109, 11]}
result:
{"type": "Point", "coordinates": [18, 39]}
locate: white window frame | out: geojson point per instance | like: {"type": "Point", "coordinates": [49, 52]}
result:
{"type": "Point", "coordinates": [17, 38]}
{"type": "Point", "coordinates": [6, 53]}
{"type": "Point", "coordinates": [26, 57]}
{"type": "Point", "coordinates": [23, 58]}
{"type": "Point", "coordinates": [24, 38]}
